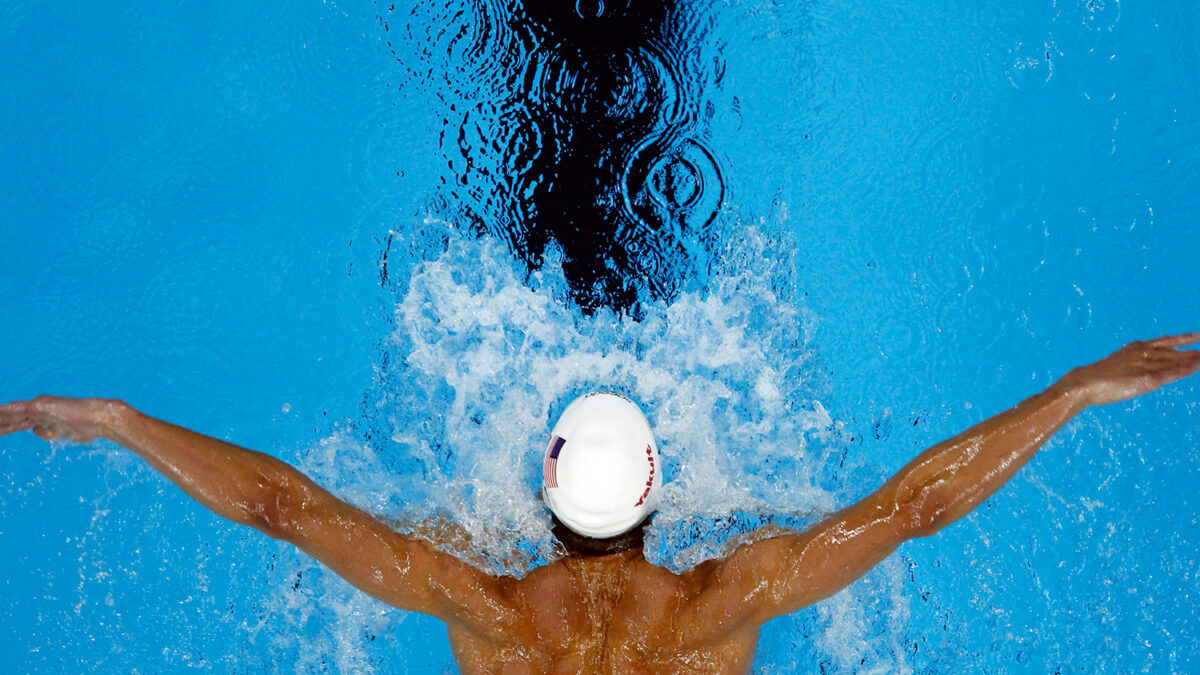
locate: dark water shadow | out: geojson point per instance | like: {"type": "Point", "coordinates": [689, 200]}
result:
{"type": "Point", "coordinates": [580, 125]}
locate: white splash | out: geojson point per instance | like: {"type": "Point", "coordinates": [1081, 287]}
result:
{"type": "Point", "coordinates": [482, 359]}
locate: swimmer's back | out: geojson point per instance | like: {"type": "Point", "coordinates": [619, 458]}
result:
{"type": "Point", "coordinates": [617, 614]}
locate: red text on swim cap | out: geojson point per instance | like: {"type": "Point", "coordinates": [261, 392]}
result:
{"type": "Point", "coordinates": [650, 480]}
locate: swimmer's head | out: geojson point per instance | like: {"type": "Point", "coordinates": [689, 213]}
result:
{"type": "Point", "coordinates": [601, 476]}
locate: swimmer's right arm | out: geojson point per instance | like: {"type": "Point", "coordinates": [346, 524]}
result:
{"type": "Point", "coordinates": [255, 489]}
{"type": "Point", "coordinates": [781, 575]}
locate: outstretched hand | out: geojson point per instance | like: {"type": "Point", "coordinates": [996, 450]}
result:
{"type": "Point", "coordinates": [77, 420]}
{"type": "Point", "coordinates": [1135, 369]}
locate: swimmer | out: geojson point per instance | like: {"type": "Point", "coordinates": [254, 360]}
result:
{"type": "Point", "coordinates": [603, 608]}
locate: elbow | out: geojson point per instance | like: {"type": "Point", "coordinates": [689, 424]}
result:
{"type": "Point", "coordinates": [270, 516]}
{"type": "Point", "coordinates": [921, 512]}
{"type": "Point", "coordinates": [274, 506]}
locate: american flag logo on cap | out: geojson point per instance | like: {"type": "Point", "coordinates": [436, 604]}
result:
{"type": "Point", "coordinates": [550, 469]}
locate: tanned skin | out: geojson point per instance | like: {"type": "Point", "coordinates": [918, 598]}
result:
{"type": "Point", "coordinates": [612, 613]}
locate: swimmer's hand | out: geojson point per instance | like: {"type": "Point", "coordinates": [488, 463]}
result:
{"type": "Point", "coordinates": [54, 418]}
{"type": "Point", "coordinates": [1137, 368]}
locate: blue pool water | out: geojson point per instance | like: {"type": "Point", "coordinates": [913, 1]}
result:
{"type": "Point", "coordinates": [839, 234]}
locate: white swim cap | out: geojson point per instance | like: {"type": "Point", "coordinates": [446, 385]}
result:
{"type": "Point", "coordinates": [601, 475]}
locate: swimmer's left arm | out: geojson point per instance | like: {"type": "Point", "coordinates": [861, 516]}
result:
{"type": "Point", "coordinates": [781, 575]}
{"type": "Point", "coordinates": [255, 489]}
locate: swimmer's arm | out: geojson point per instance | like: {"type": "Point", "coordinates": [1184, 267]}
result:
{"type": "Point", "coordinates": [781, 575]}
{"type": "Point", "coordinates": [255, 489]}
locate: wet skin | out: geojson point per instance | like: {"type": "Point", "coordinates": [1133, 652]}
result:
{"type": "Point", "coordinates": [614, 613]}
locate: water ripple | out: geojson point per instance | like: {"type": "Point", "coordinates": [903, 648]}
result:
{"type": "Point", "coordinates": [580, 124]}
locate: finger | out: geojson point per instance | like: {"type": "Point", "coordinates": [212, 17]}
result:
{"type": "Point", "coordinates": [1172, 356]}
{"type": "Point", "coordinates": [1185, 359]}
{"type": "Point", "coordinates": [13, 428]}
{"type": "Point", "coordinates": [1173, 341]}
{"type": "Point", "coordinates": [1189, 368]}
{"type": "Point", "coordinates": [15, 420]}
{"type": "Point", "coordinates": [14, 408]}
{"type": "Point", "coordinates": [1170, 372]}
{"type": "Point", "coordinates": [45, 433]}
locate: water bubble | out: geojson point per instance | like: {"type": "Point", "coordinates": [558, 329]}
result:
{"type": "Point", "coordinates": [1100, 15]}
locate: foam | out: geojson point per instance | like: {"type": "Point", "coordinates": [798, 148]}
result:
{"type": "Point", "coordinates": [484, 357]}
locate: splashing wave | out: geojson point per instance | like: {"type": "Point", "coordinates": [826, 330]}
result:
{"type": "Point", "coordinates": [485, 356]}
